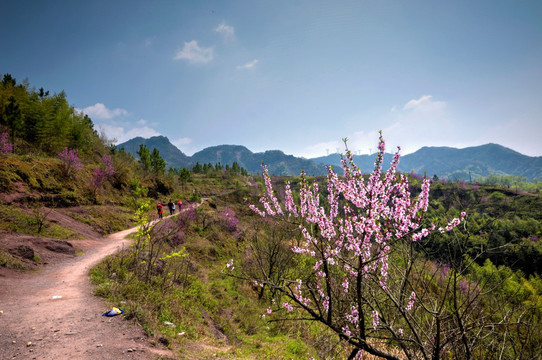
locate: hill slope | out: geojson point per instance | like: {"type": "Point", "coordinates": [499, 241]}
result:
{"type": "Point", "coordinates": [277, 162]}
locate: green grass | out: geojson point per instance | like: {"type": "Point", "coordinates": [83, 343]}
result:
{"type": "Point", "coordinates": [104, 219]}
{"type": "Point", "coordinates": [13, 218]}
{"type": "Point", "coordinates": [206, 303]}
{"type": "Point", "coordinates": [9, 261]}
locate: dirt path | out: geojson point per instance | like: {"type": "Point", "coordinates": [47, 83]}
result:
{"type": "Point", "coordinates": [37, 325]}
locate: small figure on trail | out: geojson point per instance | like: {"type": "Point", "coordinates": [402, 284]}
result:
{"type": "Point", "coordinates": [180, 205]}
{"type": "Point", "coordinates": [171, 207]}
{"type": "Point", "coordinates": [160, 209]}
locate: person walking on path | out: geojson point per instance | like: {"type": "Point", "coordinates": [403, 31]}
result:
{"type": "Point", "coordinates": [180, 205]}
{"type": "Point", "coordinates": [160, 209]}
{"type": "Point", "coordinates": [171, 207]}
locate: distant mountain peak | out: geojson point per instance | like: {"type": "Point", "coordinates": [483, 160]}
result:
{"type": "Point", "coordinates": [466, 163]}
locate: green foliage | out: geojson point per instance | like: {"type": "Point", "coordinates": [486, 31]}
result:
{"type": "Point", "coordinates": [158, 165]}
{"type": "Point", "coordinates": [195, 197]}
{"type": "Point", "coordinates": [517, 183]}
{"type": "Point", "coordinates": [13, 218]}
{"type": "Point", "coordinates": [9, 261]}
{"type": "Point", "coordinates": [104, 219]}
{"type": "Point", "coordinates": [503, 226]}
{"type": "Point", "coordinates": [41, 121]}
{"type": "Point", "coordinates": [144, 157]}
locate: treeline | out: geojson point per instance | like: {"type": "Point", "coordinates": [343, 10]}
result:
{"type": "Point", "coordinates": [42, 121]}
{"type": "Point", "coordinates": [209, 168]}
{"type": "Point", "coordinates": [512, 182]}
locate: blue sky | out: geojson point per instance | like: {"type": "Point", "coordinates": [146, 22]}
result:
{"type": "Point", "coordinates": [291, 75]}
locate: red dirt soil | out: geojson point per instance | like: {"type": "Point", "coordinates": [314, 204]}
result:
{"type": "Point", "coordinates": [34, 324]}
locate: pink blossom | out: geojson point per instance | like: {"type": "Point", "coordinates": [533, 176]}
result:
{"type": "Point", "coordinates": [376, 321]}
{"type": "Point", "coordinates": [411, 302]}
{"type": "Point", "coordinates": [345, 284]}
{"type": "Point", "coordinates": [229, 265]}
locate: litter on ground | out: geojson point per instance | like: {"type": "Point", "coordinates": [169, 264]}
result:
{"type": "Point", "coordinates": [113, 312]}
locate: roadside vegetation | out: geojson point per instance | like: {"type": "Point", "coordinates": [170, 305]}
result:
{"type": "Point", "coordinates": [217, 280]}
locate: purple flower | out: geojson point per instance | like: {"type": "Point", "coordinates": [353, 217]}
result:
{"type": "Point", "coordinates": [5, 146]}
{"type": "Point", "coordinates": [70, 161]}
{"type": "Point", "coordinates": [228, 220]}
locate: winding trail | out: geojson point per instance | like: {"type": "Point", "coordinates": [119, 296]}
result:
{"type": "Point", "coordinates": [36, 324]}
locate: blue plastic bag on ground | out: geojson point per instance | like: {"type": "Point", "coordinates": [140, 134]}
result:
{"type": "Point", "coordinates": [113, 312]}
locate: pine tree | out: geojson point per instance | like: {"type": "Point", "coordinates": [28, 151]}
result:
{"type": "Point", "coordinates": [158, 164]}
{"type": "Point", "coordinates": [13, 117]}
{"type": "Point", "coordinates": [144, 157]}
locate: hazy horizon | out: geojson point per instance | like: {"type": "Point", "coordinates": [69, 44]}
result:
{"type": "Point", "coordinates": [388, 151]}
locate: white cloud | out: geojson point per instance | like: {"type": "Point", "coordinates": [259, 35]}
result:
{"type": "Point", "coordinates": [322, 149]}
{"type": "Point", "coordinates": [248, 65]}
{"type": "Point", "coordinates": [100, 111]}
{"type": "Point", "coordinates": [186, 145]}
{"type": "Point", "coordinates": [121, 134]}
{"type": "Point", "coordinates": [425, 104]}
{"type": "Point", "coordinates": [226, 30]}
{"type": "Point", "coordinates": [420, 122]}
{"type": "Point", "coordinates": [359, 143]}
{"type": "Point", "coordinates": [194, 53]}
{"type": "Point", "coordinates": [182, 141]}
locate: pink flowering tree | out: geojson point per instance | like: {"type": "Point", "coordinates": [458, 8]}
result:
{"type": "Point", "coordinates": [5, 146]}
{"type": "Point", "coordinates": [354, 267]}
{"type": "Point", "coordinates": [100, 176]}
{"type": "Point", "coordinates": [71, 164]}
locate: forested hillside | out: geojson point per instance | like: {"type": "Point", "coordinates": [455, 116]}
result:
{"type": "Point", "coordinates": [383, 263]}
{"type": "Point", "coordinates": [36, 119]}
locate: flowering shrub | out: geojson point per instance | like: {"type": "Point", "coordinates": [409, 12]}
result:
{"type": "Point", "coordinates": [101, 176]}
{"type": "Point", "coordinates": [5, 145]}
{"type": "Point", "coordinates": [71, 164]}
{"type": "Point", "coordinates": [98, 178]}
{"type": "Point", "coordinates": [108, 167]}
{"type": "Point", "coordinates": [228, 220]}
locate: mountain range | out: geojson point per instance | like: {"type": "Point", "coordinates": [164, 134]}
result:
{"type": "Point", "coordinates": [445, 162]}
